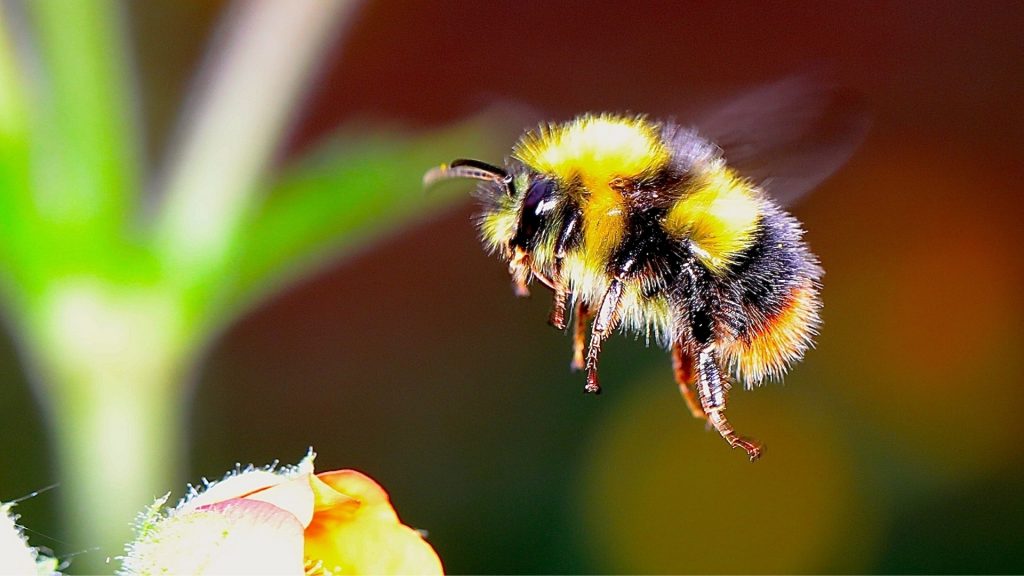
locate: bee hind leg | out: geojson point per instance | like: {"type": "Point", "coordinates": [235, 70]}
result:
{"type": "Point", "coordinates": [683, 368]}
{"type": "Point", "coordinates": [712, 392]}
{"type": "Point", "coordinates": [605, 321]}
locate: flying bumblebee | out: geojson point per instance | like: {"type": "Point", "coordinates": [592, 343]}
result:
{"type": "Point", "coordinates": [656, 228]}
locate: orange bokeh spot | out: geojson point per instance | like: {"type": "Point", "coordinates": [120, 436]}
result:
{"type": "Point", "coordinates": [923, 309]}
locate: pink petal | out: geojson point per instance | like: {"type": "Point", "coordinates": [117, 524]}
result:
{"type": "Point", "coordinates": [295, 496]}
{"type": "Point", "coordinates": [232, 537]}
{"type": "Point", "coordinates": [235, 486]}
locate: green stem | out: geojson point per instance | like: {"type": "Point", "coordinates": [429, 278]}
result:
{"type": "Point", "coordinates": [110, 360]}
{"type": "Point", "coordinates": [118, 449]}
{"type": "Point", "coordinates": [12, 104]}
{"type": "Point", "coordinates": [86, 172]}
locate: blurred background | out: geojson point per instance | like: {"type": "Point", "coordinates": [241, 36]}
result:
{"type": "Point", "coordinates": [894, 447]}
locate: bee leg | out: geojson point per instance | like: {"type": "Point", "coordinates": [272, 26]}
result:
{"type": "Point", "coordinates": [605, 321]}
{"type": "Point", "coordinates": [683, 367]}
{"type": "Point", "coordinates": [712, 391]}
{"type": "Point", "coordinates": [519, 269]}
{"type": "Point", "coordinates": [581, 314]}
{"type": "Point", "coordinates": [557, 317]}
{"type": "Point", "coordinates": [568, 236]}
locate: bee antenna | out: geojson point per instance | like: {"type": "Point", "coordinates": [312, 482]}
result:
{"type": "Point", "coordinates": [465, 168]}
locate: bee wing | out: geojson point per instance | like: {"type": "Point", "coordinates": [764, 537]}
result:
{"type": "Point", "coordinates": [788, 136]}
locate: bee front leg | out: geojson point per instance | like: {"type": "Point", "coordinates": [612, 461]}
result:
{"type": "Point", "coordinates": [712, 391]}
{"type": "Point", "coordinates": [683, 367]}
{"type": "Point", "coordinates": [520, 270]}
{"type": "Point", "coordinates": [605, 321]}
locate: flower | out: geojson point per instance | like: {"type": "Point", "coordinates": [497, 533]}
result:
{"type": "Point", "coordinates": [16, 556]}
{"type": "Point", "coordinates": [288, 521]}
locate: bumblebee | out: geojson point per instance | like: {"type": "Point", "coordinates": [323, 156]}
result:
{"type": "Point", "coordinates": [645, 226]}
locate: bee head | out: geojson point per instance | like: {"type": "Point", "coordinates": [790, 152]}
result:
{"type": "Point", "coordinates": [515, 203]}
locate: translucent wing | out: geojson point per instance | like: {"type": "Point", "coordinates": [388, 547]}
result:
{"type": "Point", "coordinates": [788, 136]}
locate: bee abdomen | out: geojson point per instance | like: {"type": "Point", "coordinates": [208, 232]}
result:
{"type": "Point", "coordinates": [776, 262]}
{"type": "Point", "coordinates": [775, 284]}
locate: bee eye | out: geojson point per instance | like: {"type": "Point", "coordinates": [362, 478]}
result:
{"type": "Point", "coordinates": [537, 193]}
{"type": "Point", "coordinates": [535, 205]}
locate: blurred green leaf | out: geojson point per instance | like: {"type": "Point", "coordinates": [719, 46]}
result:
{"type": "Point", "coordinates": [345, 194]}
{"type": "Point", "coordinates": [238, 115]}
